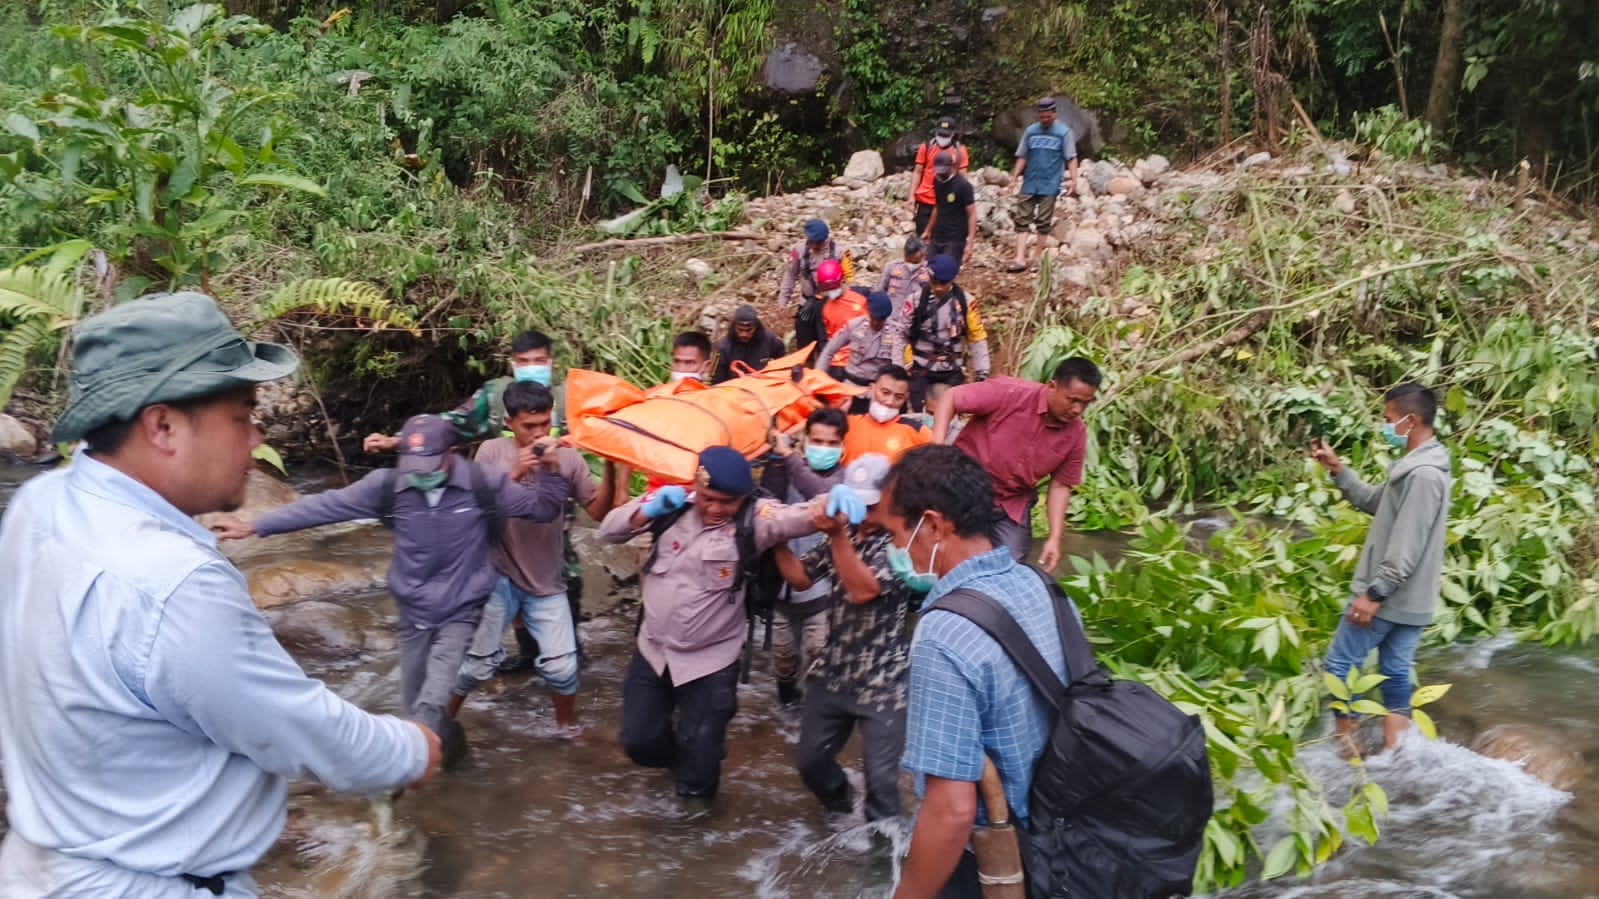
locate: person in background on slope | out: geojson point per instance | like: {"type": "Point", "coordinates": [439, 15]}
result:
{"type": "Point", "coordinates": [149, 718]}
{"type": "Point", "coordinates": [445, 513]}
{"type": "Point", "coordinates": [691, 365]}
{"type": "Point", "coordinates": [1397, 581]}
{"type": "Point", "coordinates": [903, 280]}
{"type": "Point", "coordinates": [953, 226]}
{"type": "Point", "coordinates": [923, 196]}
{"type": "Point", "coordinates": [529, 560]}
{"type": "Point", "coordinates": [1047, 150]}
{"type": "Point", "coordinates": [801, 271]}
{"type": "Point", "coordinates": [841, 304]}
{"type": "Point", "coordinates": [747, 342]}
{"type": "Point", "coordinates": [1022, 432]}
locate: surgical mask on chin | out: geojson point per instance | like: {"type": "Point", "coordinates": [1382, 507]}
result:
{"type": "Point", "coordinates": [1393, 437]}
{"type": "Point", "coordinates": [678, 376]}
{"type": "Point", "coordinates": [832, 294]}
{"type": "Point", "coordinates": [899, 562]}
{"type": "Point", "coordinates": [537, 374]}
{"type": "Point", "coordinates": [880, 413]}
{"type": "Point", "coordinates": [823, 458]}
{"type": "Point", "coordinates": [943, 141]}
{"type": "Point", "coordinates": [428, 480]}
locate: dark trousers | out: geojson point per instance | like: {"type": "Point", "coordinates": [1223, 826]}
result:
{"type": "Point", "coordinates": [1016, 536]}
{"type": "Point", "coordinates": [921, 379]}
{"type": "Point", "coordinates": [808, 326]}
{"type": "Point", "coordinates": [825, 726]}
{"type": "Point", "coordinates": [430, 661]}
{"type": "Point", "coordinates": [955, 247]}
{"type": "Point", "coordinates": [924, 214]}
{"type": "Point", "coordinates": [695, 747]}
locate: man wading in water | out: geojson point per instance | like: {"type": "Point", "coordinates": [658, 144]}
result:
{"type": "Point", "coordinates": [446, 513]}
{"type": "Point", "coordinates": [148, 715]}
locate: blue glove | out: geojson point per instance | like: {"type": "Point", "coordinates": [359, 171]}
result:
{"type": "Point", "coordinates": [667, 499]}
{"type": "Point", "coordinates": [843, 498]}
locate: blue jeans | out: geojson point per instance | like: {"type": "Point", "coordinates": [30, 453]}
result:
{"type": "Point", "coordinates": [548, 619]}
{"type": "Point", "coordinates": [1396, 651]}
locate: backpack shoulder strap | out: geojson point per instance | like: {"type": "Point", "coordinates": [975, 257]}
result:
{"type": "Point", "coordinates": [960, 299]}
{"type": "Point", "coordinates": [487, 502]}
{"type": "Point", "coordinates": [744, 539]}
{"type": "Point", "coordinates": [919, 316]}
{"type": "Point", "coordinates": [386, 498]}
{"type": "Point", "coordinates": [658, 526]}
{"type": "Point", "coordinates": [981, 610]}
{"type": "Point", "coordinates": [1080, 662]}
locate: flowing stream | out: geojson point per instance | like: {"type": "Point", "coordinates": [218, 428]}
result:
{"type": "Point", "coordinates": [531, 815]}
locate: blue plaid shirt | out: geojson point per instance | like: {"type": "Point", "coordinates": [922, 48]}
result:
{"type": "Point", "coordinates": [967, 697]}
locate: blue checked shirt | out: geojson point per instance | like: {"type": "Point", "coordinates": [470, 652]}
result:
{"type": "Point", "coordinates": [967, 697]}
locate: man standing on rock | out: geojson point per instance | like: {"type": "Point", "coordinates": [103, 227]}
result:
{"type": "Point", "coordinates": [1397, 580]}
{"type": "Point", "coordinates": [953, 227]}
{"type": "Point", "coordinates": [941, 327]}
{"type": "Point", "coordinates": [1047, 150]}
{"type": "Point", "coordinates": [446, 513]}
{"type": "Point", "coordinates": [148, 716]}
{"type": "Point", "coordinates": [748, 342]}
{"type": "Point", "coordinates": [693, 626]}
{"type": "Point", "coordinates": [803, 263]}
{"type": "Point", "coordinates": [923, 195]}
{"type": "Point", "coordinates": [529, 560]}
{"type": "Point", "coordinates": [1022, 432]}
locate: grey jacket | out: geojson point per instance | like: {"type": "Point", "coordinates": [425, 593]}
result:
{"type": "Point", "coordinates": [1404, 553]}
{"type": "Point", "coordinates": [441, 570]}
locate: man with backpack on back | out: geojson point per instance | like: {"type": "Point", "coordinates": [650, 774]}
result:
{"type": "Point", "coordinates": [693, 625]}
{"type": "Point", "coordinates": [801, 271]}
{"type": "Point", "coordinates": [923, 194]}
{"type": "Point", "coordinates": [1119, 815]}
{"type": "Point", "coordinates": [941, 327]}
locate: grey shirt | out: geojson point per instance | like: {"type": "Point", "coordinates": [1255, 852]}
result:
{"type": "Point", "coordinates": [1403, 557]}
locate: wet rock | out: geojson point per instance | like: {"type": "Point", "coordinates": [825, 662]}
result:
{"type": "Point", "coordinates": [16, 439]}
{"type": "Point", "coordinates": [792, 69]}
{"type": "Point", "coordinates": [610, 571]}
{"type": "Point", "coordinates": [330, 626]}
{"type": "Point", "coordinates": [1538, 750]}
{"type": "Point", "coordinates": [864, 165]}
{"type": "Point", "coordinates": [1124, 185]}
{"type": "Point", "coordinates": [1149, 168]}
{"type": "Point", "coordinates": [274, 584]}
{"type": "Point", "coordinates": [698, 270]}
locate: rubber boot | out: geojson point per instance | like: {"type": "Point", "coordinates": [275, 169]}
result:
{"type": "Point", "coordinates": [789, 693]}
{"type": "Point", "coordinates": [454, 746]}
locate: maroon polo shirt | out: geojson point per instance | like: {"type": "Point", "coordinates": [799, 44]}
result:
{"type": "Point", "coordinates": [1012, 433]}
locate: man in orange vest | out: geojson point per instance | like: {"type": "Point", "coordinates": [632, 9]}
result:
{"type": "Point", "coordinates": [924, 193]}
{"type": "Point", "coordinates": [883, 428]}
{"type": "Point", "coordinates": [842, 305]}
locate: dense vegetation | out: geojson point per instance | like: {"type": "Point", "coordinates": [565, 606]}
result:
{"type": "Point", "coordinates": [409, 167]}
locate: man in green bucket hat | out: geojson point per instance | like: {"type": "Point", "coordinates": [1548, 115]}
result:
{"type": "Point", "coordinates": [148, 716]}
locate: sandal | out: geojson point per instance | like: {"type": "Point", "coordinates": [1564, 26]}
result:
{"type": "Point", "coordinates": [1015, 267]}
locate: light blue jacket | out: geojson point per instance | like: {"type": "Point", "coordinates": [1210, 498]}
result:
{"type": "Point", "coordinates": [148, 715]}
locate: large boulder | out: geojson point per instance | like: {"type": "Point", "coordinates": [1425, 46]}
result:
{"type": "Point", "coordinates": [864, 166]}
{"type": "Point", "coordinates": [280, 583]}
{"type": "Point", "coordinates": [793, 69]}
{"type": "Point", "coordinates": [17, 440]}
{"type": "Point", "coordinates": [1151, 167]}
{"type": "Point", "coordinates": [1539, 751]}
{"type": "Point", "coordinates": [1099, 175]}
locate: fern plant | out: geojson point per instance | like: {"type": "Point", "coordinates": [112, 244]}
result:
{"type": "Point", "coordinates": [35, 302]}
{"type": "Point", "coordinates": [323, 298]}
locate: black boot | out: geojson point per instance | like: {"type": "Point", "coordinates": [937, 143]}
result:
{"type": "Point", "coordinates": [527, 657]}
{"type": "Point", "coordinates": [453, 746]}
{"type": "Point", "coordinates": [789, 693]}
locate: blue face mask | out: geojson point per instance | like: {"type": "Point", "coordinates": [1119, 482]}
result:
{"type": "Point", "coordinates": [538, 374]}
{"type": "Point", "coordinates": [899, 562]}
{"type": "Point", "coordinates": [1394, 438]}
{"type": "Point", "coordinates": [823, 458]}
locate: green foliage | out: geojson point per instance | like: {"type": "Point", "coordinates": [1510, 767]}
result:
{"type": "Point", "coordinates": [883, 97]}
{"type": "Point", "coordinates": [36, 302]}
{"type": "Point", "coordinates": [326, 301]}
{"type": "Point", "coordinates": [1389, 132]}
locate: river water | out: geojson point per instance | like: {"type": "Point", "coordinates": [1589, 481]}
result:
{"type": "Point", "coordinates": [530, 815]}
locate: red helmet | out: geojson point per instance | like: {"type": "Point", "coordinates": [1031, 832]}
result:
{"type": "Point", "coordinates": [829, 275]}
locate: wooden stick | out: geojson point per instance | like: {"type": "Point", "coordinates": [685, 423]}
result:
{"type": "Point", "coordinates": [628, 243]}
{"type": "Point", "coordinates": [1235, 336]}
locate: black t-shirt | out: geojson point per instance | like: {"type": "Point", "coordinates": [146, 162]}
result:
{"type": "Point", "coordinates": [952, 199]}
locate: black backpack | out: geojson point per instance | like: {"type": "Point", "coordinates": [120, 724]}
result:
{"type": "Point", "coordinates": [924, 309]}
{"type": "Point", "coordinates": [482, 492]}
{"type": "Point", "coordinates": [1121, 796]}
{"type": "Point", "coordinates": [757, 574]}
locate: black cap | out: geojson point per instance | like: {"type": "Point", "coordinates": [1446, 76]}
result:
{"type": "Point", "coordinates": [944, 127]}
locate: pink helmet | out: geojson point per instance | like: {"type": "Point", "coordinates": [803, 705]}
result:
{"type": "Point", "coordinates": [829, 275]}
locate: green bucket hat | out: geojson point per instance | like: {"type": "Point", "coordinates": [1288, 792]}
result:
{"type": "Point", "coordinates": [160, 348]}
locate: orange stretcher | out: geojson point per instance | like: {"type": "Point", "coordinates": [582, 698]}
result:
{"type": "Point", "coordinates": [663, 435]}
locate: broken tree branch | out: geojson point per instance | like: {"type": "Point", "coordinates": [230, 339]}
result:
{"type": "Point", "coordinates": [628, 243]}
{"type": "Point", "coordinates": [1188, 354]}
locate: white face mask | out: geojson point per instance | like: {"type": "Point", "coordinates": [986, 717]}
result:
{"type": "Point", "coordinates": [880, 413]}
{"type": "Point", "coordinates": [943, 141]}
{"type": "Point", "coordinates": [832, 294]}
{"type": "Point", "coordinates": [678, 376]}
